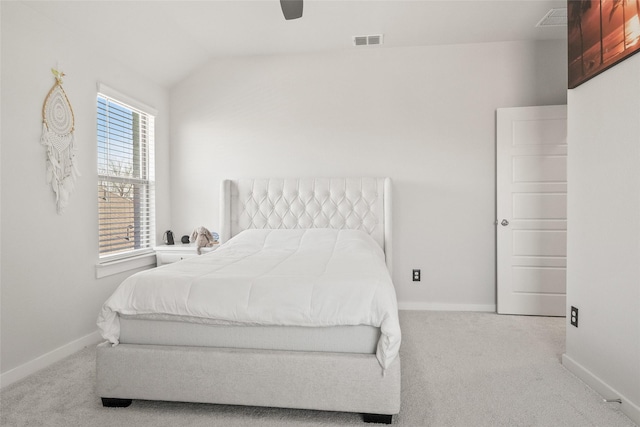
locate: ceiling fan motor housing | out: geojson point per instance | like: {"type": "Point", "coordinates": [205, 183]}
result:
{"type": "Point", "coordinates": [292, 9]}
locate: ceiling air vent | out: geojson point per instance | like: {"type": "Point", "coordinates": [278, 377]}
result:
{"type": "Point", "coordinates": [367, 40]}
{"type": "Point", "coordinates": [554, 18]}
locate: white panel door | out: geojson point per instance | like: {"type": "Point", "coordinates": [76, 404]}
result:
{"type": "Point", "coordinates": [531, 234]}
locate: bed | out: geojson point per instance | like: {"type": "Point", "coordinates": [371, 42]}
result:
{"type": "Point", "coordinates": [296, 309]}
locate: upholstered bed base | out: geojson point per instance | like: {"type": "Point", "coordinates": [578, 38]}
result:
{"type": "Point", "coordinates": [344, 382]}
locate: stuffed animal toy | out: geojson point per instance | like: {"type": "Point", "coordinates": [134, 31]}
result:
{"type": "Point", "coordinates": [203, 238]}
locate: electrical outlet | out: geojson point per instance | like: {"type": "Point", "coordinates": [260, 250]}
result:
{"type": "Point", "coordinates": [416, 275]}
{"type": "Point", "coordinates": [574, 316]}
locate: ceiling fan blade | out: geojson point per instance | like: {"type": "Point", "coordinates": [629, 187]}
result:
{"type": "Point", "coordinates": [292, 9]}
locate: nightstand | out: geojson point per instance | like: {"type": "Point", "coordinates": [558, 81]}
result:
{"type": "Point", "coordinates": [166, 254]}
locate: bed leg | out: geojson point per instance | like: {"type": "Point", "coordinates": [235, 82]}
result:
{"type": "Point", "coordinates": [109, 402]}
{"type": "Point", "coordinates": [377, 418]}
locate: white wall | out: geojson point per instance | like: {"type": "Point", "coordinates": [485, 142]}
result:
{"type": "Point", "coordinates": [50, 296]}
{"type": "Point", "coordinates": [603, 274]}
{"type": "Point", "coordinates": [423, 116]}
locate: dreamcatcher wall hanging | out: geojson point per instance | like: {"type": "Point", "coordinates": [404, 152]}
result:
{"type": "Point", "coordinates": [57, 136]}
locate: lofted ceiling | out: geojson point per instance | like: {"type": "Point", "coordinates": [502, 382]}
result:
{"type": "Point", "coordinates": [166, 40]}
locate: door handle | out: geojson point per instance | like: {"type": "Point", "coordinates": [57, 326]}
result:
{"type": "Point", "coordinates": [504, 223]}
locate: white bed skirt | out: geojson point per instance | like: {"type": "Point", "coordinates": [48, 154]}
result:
{"type": "Point", "coordinates": [344, 382]}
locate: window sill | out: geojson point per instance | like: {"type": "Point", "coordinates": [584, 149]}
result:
{"type": "Point", "coordinates": [118, 266]}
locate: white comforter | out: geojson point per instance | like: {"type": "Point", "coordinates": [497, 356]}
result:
{"type": "Point", "coordinates": [309, 277]}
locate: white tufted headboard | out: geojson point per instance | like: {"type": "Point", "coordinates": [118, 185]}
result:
{"type": "Point", "coordinates": [351, 203]}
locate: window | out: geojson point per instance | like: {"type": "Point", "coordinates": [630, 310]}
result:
{"type": "Point", "coordinates": [126, 179]}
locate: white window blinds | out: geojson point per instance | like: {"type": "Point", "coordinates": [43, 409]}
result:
{"type": "Point", "coordinates": [126, 179]}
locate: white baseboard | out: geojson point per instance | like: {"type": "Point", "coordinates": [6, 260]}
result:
{"type": "Point", "coordinates": [630, 409]}
{"type": "Point", "coordinates": [408, 305]}
{"type": "Point", "coordinates": [22, 371]}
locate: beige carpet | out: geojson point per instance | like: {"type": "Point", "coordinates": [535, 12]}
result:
{"type": "Point", "coordinates": [458, 369]}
